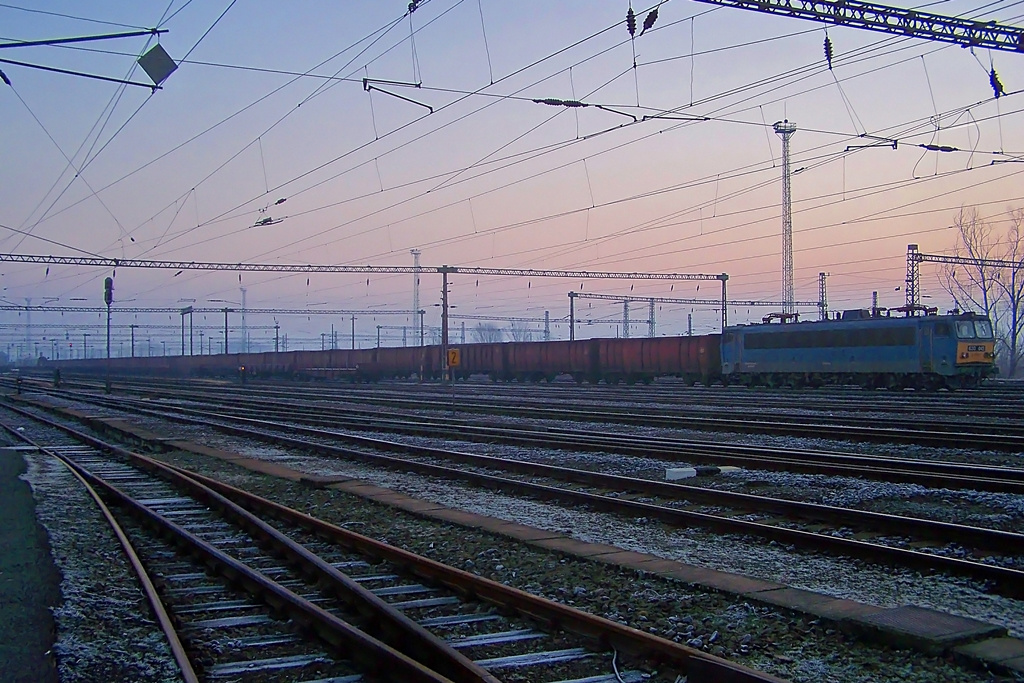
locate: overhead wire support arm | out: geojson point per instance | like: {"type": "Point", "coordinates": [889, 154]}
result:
{"type": "Point", "coordinates": [904, 22]}
{"type": "Point", "coordinates": [83, 39]}
{"type": "Point", "coordinates": [68, 72]}
{"type": "Point", "coordinates": [368, 85]}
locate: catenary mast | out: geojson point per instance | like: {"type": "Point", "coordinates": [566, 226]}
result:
{"type": "Point", "coordinates": [785, 129]}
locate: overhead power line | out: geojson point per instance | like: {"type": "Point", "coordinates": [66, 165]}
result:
{"type": "Point", "coordinates": [903, 22]}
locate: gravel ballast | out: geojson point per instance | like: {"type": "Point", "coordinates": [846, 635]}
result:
{"type": "Point", "coordinates": [104, 628]}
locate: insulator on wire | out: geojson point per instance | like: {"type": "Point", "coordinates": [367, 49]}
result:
{"type": "Point", "coordinates": [828, 52]}
{"type": "Point", "coordinates": [560, 103]}
{"type": "Point", "coordinates": [997, 86]}
{"type": "Point", "coordinates": [413, 6]}
{"type": "Point", "coordinates": [649, 20]}
{"type": "Point", "coordinates": [631, 22]}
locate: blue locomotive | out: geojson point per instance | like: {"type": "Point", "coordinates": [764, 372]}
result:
{"type": "Point", "coordinates": [923, 352]}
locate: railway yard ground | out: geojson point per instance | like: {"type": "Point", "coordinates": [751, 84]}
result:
{"type": "Point", "coordinates": [615, 533]}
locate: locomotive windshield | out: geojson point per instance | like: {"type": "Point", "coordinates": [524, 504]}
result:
{"type": "Point", "coordinates": [965, 329]}
{"type": "Point", "coordinates": [969, 329]}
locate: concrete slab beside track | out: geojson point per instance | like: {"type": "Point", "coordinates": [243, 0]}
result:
{"type": "Point", "coordinates": [29, 581]}
{"type": "Point", "coordinates": [977, 643]}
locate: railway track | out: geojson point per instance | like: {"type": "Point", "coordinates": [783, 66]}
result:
{"type": "Point", "coordinates": [975, 434]}
{"type": "Point", "coordinates": [313, 413]}
{"type": "Point", "coordinates": [991, 556]}
{"type": "Point", "coordinates": [673, 394]}
{"type": "Point", "coordinates": [257, 589]}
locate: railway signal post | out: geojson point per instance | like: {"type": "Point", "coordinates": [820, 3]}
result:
{"type": "Point", "coordinates": [108, 299]}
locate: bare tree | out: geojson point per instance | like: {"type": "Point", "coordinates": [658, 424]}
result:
{"type": "Point", "coordinates": [1010, 283]}
{"type": "Point", "coordinates": [487, 333]}
{"type": "Point", "coordinates": [996, 291]}
{"type": "Point", "coordinates": [974, 287]}
{"type": "Point", "coordinates": [520, 332]}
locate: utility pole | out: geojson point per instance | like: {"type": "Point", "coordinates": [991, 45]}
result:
{"type": "Point", "coordinates": [651, 326]}
{"type": "Point", "coordinates": [133, 326]}
{"type": "Point", "coordinates": [226, 311]}
{"type": "Point", "coordinates": [422, 314]}
{"type": "Point", "coordinates": [353, 331]}
{"type": "Point", "coordinates": [547, 326]}
{"type": "Point", "coordinates": [785, 130]}
{"type": "Point", "coordinates": [378, 336]}
{"type": "Point", "coordinates": [184, 312]}
{"type": "Point", "coordinates": [415, 279]}
{"type": "Point", "coordinates": [823, 297]}
{"type": "Point", "coordinates": [572, 316]}
{"type": "Point", "coordinates": [108, 299]}
{"type": "Point", "coordinates": [444, 323]}
{"type": "Point", "coordinates": [277, 329]}
{"type": "Point", "coordinates": [625, 319]}
{"type": "Point", "coordinates": [323, 336]}
{"type": "Point", "coordinates": [85, 345]}
{"type": "Point", "coordinates": [245, 330]}
{"type": "Point", "coordinates": [201, 347]}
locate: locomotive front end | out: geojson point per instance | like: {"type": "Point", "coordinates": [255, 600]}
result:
{"type": "Point", "coordinates": [975, 347]}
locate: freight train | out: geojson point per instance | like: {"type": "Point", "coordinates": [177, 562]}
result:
{"type": "Point", "coordinates": [923, 352]}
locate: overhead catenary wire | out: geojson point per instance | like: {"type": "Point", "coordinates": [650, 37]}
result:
{"type": "Point", "coordinates": [819, 86]}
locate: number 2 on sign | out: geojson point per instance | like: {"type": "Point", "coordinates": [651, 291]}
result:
{"type": "Point", "coordinates": [454, 356]}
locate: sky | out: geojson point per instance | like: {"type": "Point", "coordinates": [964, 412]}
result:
{"type": "Point", "coordinates": [673, 166]}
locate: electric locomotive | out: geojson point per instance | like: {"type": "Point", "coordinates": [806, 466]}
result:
{"type": "Point", "coordinates": [874, 351]}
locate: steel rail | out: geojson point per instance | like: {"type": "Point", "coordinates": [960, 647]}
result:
{"type": "Point", "coordinates": [901, 434]}
{"type": "Point", "coordinates": [399, 641]}
{"type": "Point", "coordinates": [858, 429]}
{"type": "Point", "coordinates": [978, 537]}
{"type": "Point", "coordinates": [1009, 581]}
{"type": "Point", "coordinates": [181, 658]}
{"type": "Point", "coordinates": [923, 472]}
{"type": "Point", "coordinates": [699, 666]}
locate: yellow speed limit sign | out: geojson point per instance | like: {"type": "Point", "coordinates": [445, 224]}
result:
{"type": "Point", "coordinates": [454, 358]}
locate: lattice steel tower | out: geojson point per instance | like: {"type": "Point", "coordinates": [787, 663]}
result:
{"type": "Point", "coordinates": [785, 129]}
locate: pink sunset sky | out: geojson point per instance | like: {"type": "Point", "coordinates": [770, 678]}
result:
{"type": "Point", "coordinates": [677, 171]}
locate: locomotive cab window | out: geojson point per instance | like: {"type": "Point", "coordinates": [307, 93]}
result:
{"type": "Point", "coordinates": [965, 329]}
{"type": "Point", "coordinates": [983, 328]}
